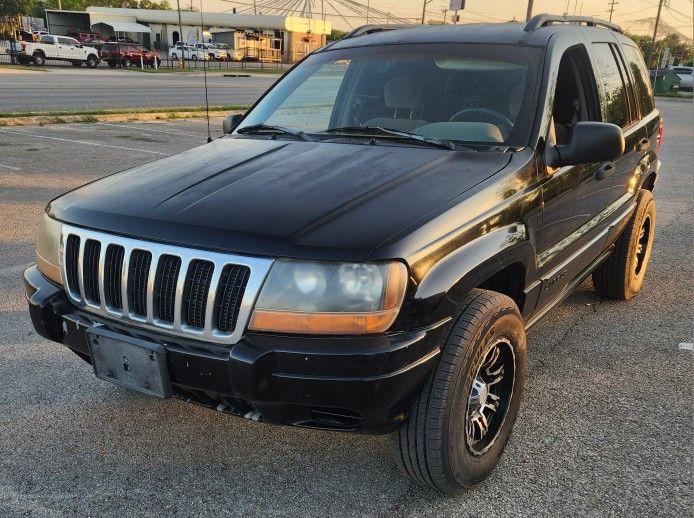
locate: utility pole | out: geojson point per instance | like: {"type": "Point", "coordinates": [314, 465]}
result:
{"type": "Point", "coordinates": [60, 5]}
{"type": "Point", "coordinates": [180, 35]}
{"type": "Point", "coordinates": [255, 7]}
{"type": "Point", "coordinates": [424, 9]}
{"type": "Point", "coordinates": [612, 4]}
{"type": "Point", "coordinates": [655, 33]}
{"type": "Point", "coordinates": [529, 14]}
{"type": "Point", "coordinates": [368, 9]}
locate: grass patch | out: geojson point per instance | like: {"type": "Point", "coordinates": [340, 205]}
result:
{"type": "Point", "coordinates": [10, 66]}
{"type": "Point", "coordinates": [210, 70]}
{"type": "Point", "coordinates": [118, 111]}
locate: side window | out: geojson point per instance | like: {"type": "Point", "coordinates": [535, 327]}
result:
{"type": "Point", "coordinates": [644, 91]}
{"type": "Point", "coordinates": [66, 41]}
{"type": "Point", "coordinates": [616, 105]}
{"type": "Point", "coordinates": [48, 40]}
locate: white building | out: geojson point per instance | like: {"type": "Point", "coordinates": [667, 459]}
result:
{"type": "Point", "coordinates": [269, 38]}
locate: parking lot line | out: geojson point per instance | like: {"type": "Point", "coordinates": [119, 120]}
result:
{"type": "Point", "coordinates": [98, 144]}
{"type": "Point", "coordinates": [146, 127]}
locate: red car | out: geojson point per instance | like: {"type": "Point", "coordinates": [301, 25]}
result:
{"type": "Point", "coordinates": [127, 54]}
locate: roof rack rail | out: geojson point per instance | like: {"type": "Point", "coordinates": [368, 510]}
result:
{"type": "Point", "coordinates": [542, 20]}
{"type": "Point", "coordinates": [370, 29]}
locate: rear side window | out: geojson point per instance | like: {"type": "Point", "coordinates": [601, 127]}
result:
{"type": "Point", "coordinates": [644, 91]}
{"type": "Point", "coordinates": [615, 103]}
{"type": "Point", "coordinates": [48, 40]}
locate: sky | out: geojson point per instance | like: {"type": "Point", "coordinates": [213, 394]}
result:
{"type": "Point", "coordinates": [677, 13]}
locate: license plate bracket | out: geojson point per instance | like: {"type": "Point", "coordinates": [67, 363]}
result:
{"type": "Point", "coordinates": [129, 362]}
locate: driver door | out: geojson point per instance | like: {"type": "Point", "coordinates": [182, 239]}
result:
{"type": "Point", "coordinates": [573, 196]}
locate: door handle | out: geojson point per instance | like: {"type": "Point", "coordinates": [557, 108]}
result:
{"type": "Point", "coordinates": [643, 144]}
{"type": "Point", "coordinates": [605, 171]}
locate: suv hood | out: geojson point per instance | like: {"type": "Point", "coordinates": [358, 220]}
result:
{"type": "Point", "coordinates": [258, 196]}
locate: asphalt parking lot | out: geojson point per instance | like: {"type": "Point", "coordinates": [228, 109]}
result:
{"type": "Point", "coordinates": [605, 428]}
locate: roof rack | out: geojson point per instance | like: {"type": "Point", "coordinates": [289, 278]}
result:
{"type": "Point", "coordinates": [542, 20]}
{"type": "Point", "coordinates": [370, 29]}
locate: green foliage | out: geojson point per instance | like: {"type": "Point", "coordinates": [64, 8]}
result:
{"type": "Point", "coordinates": [678, 49]}
{"type": "Point", "coordinates": [38, 7]}
{"type": "Point", "coordinates": [336, 34]}
{"type": "Point", "coordinates": [14, 7]}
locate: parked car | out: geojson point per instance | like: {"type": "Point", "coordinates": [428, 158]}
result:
{"type": "Point", "coordinates": [685, 74]}
{"type": "Point", "coordinates": [232, 54]}
{"type": "Point", "coordinates": [366, 248]}
{"type": "Point", "coordinates": [180, 51]}
{"type": "Point", "coordinates": [96, 43]}
{"type": "Point", "coordinates": [83, 36]}
{"type": "Point", "coordinates": [60, 48]}
{"type": "Point", "coordinates": [127, 54]}
{"type": "Point", "coordinates": [211, 50]}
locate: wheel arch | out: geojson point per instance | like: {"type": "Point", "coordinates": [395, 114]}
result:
{"type": "Point", "coordinates": [501, 260]}
{"type": "Point", "coordinates": [649, 181]}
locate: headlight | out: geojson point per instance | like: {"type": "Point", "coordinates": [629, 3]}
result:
{"type": "Point", "coordinates": [330, 298]}
{"type": "Point", "coordinates": [48, 248]}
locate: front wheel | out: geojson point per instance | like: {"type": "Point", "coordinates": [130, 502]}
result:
{"type": "Point", "coordinates": [460, 423]}
{"type": "Point", "coordinates": [621, 275]}
{"type": "Point", "coordinates": [92, 62]}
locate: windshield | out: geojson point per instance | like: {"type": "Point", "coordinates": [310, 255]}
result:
{"type": "Point", "coordinates": [457, 92]}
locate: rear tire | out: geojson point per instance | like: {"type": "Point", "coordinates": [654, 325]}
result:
{"type": "Point", "coordinates": [174, 56]}
{"type": "Point", "coordinates": [460, 423]}
{"type": "Point", "coordinates": [621, 275]}
{"type": "Point", "coordinates": [126, 63]}
{"type": "Point", "coordinates": [39, 59]}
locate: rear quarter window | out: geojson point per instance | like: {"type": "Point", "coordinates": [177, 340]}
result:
{"type": "Point", "coordinates": [637, 66]}
{"type": "Point", "coordinates": [615, 104]}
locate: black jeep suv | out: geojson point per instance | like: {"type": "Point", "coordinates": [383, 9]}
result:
{"type": "Point", "coordinates": [367, 247]}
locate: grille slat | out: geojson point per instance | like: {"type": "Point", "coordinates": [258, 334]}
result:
{"type": "Point", "coordinates": [113, 268]}
{"type": "Point", "coordinates": [72, 252]}
{"type": "Point", "coordinates": [232, 286]}
{"type": "Point", "coordinates": [165, 287]}
{"type": "Point", "coordinates": [176, 290]}
{"type": "Point", "coordinates": [140, 261]}
{"type": "Point", "coordinates": [196, 290]}
{"type": "Point", "coordinates": [90, 270]}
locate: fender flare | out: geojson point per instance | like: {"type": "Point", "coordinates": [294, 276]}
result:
{"type": "Point", "coordinates": [473, 263]}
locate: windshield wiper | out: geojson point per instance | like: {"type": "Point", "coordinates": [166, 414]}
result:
{"type": "Point", "coordinates": [380, 131]}
{"type": "Point", "coordinates": [274, 130]}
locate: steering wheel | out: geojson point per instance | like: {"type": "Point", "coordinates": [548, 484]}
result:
{"type": "Point", "coordinates": [481, 114]}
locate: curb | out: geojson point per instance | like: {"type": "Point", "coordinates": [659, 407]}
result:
{"type": "Point", "coordinates": [40, 120]}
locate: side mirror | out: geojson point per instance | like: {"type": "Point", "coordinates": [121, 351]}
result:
{"type": "Point", "coordinates": [589, 142]}
{"type": "Point", "coordinates": [230, 122]}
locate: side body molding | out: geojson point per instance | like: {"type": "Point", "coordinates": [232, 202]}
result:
{"type": "Point", "coordinates": [474, 262]}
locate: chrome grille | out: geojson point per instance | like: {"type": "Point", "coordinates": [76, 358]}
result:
{"type": "Point", "coordinates": [177, 290]}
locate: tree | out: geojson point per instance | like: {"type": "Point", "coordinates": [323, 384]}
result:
{"type": "Point", "coordinates": [679, 50]}
{"type": "Point", "coordinates": [336, 34]}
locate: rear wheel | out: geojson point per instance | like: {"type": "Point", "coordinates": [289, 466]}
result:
{"type": "Point", "coordinates": [174, 56]}
{"type": "Point", "coordinates": [39, 58]}
{"type": "Point", "coordinates": [621, 275]}
{"type": "Point", "coordinates": [127, 62]}
{"type": "Point", "coordinates": [460, 423]}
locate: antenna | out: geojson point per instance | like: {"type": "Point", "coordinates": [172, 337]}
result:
{"type": "Point", "coordinates": [204, 72]}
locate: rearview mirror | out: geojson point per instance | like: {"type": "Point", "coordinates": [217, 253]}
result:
{"type": "Point", "coordinates": [230, 122]}
{"type": "Point", "coordinates": [589, 142]}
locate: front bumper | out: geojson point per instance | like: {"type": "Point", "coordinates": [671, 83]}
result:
{"type": "Point", "coordinates": [360, 384]}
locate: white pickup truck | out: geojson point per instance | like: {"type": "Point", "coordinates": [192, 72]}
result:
{"type": "Point", "coordinates": [60, 48]}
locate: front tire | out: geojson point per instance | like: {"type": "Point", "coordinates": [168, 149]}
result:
{"type": "Point", "coordinates": [92, 61]}
{"type": "Point", "coordinates": [460, 423]}
{"type": "Point", "coordinates": [621, 275]}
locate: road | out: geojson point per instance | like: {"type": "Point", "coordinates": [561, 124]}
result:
{"type": "Point", "coordinates": [605, 428]}
{"type": "Point", "coordinates": [67, 89]}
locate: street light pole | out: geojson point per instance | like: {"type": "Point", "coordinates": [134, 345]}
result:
{"type": "Point", "coordinates": [529, 13]}
{"type": "Point", "coordinates": [424, 9]}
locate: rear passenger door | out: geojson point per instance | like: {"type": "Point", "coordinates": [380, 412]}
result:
{"type": "Point", "coordinates": [49, 46]}
{"type": "Point", "coordinates": [619, 106]}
